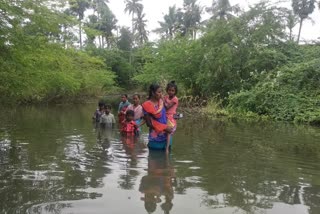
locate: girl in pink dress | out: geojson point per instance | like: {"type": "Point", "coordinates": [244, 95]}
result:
{"type": "Point", "coordinates": [171, 103]}
{"type": "Point", "coordinates": [138, 111]}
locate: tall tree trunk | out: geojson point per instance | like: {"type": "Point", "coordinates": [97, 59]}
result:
{"type": "Point", "coordinates": [132, 23]}
{"type": "Point", "coordinates": [301, 20]}
{"type": "Point", "coordinates": [64, 37]}
{"type": "Point", "coordinates": [130, 54]}
{"type": "Point", "coordinates": [99, 37]}
{"type": "Point", "coordinates": [80, 34]}
{"type": "Point", "coordinates": [290, 35]}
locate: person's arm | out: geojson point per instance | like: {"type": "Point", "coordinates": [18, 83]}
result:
{"type": "Point", "coordinates": [169, 105]}
{"type": "Point", "coordinates": [168, 130]}
{"type": "Point", "coordinates": [119, 108]}
{"type": "Point", "coordinates": [142, 122]}
{"type": "Point", "coordinates": [147, 120]}
{"type": "Point", "coordinates": [94, 115]}
{"type": "Point", "coordinates": [101, 120]}
{"type": "Point", "coordinates": [113, 120]}
{"type": "Point", "coordinates": [136, 128]}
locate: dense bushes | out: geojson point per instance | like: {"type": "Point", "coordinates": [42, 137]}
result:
{"type": "Point", "coordinates": [35, 66]}
{"type": "Point", "coordinates": [291, 93]}
{"type": "Point", "coordinates": [246, 62]}
{"type": "Point", "coordinates": [50, 72]}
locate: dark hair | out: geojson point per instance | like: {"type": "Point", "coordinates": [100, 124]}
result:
{"type": "Point", "coordinates": [150, 206]}
{"type": "Point", "coordinates": [167, 206]}
{"type": "Point", "coordinates": [126, 95]}
{"type": "Point", "coordinates": [108, 106]}
{"type": "Point", "coordinates": [101, 103]}
{"type": "Point", "coordinates": [138, 95]}
{"type": "Point", "coordinates": [172, 84]}
{"type": "Point", "coordinates": [152, 89]}
{"type": "Point", "coordinates": [130, 113]}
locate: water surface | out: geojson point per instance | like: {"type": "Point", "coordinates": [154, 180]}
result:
{"type": "Point", "coordinates": [53, 160]}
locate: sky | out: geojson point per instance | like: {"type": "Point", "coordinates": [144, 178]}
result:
{"type": "Point", "coordinates": [156, 9]}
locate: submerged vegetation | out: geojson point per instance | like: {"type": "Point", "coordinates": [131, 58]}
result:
{"type": "Point", "coordinates": [243, 62]}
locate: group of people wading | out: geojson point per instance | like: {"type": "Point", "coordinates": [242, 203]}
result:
{"type": "Point", "coordinates": [158, 112]}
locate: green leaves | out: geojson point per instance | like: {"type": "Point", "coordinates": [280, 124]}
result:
{"type": "Point", "coordinates": [291, 94]}
{"type": "Point", "coordinates": [34, 67]}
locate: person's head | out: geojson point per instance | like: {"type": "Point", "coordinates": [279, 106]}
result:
{"type": "Point", "coordinates": [101, 105]}
{"type": "Point", "coordinates": [124, 97]}
{"type": "Point", "coordinates": [136, 99]}
{"type": "Point", "coordinates": [155, 92]}
{"type": "Point", "coordinates": [167, 206]}
{"type": "Point", "coordinates": [150, 203]}
{"type": "Point", "coordinates": [107, 109]}
{"type": "Point", "coordinates": [172, 88]}
{"type": "Point", "coordinates": [129, 115]}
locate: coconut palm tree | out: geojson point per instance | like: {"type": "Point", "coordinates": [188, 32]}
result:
{"type": "Point", "coordinates": [125, 40]}
{"type": "Point", "coordinates": [108, 24]}
{"type": "Point", "coordinates": [220, 9]}
{"type": "Point", "coordinates": [140, 26]}
{"type": "Point", "coordinates": [78, 7]}
{"type": "Point", "coordinates": [291, 21]}
{"type": "Point", "coordinates": [191, 17]}
{"type": "Point", "coordinates": [302, 8]}
{"type": "Point", "coordinates": [171, 23]}
{"type": "Point", "coordinates": [98, 5]}
{"type": "Point", "coordinates": [133, 7]}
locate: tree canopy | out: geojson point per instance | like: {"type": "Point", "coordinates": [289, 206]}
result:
{"type": "Point", "coordinates": [250, 60]}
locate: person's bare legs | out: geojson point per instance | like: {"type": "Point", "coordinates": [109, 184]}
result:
{"type": "Point", "coordinates": [168, 142]}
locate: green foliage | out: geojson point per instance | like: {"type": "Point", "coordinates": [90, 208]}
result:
{"type": "Point", "coordinates": [221, 9]}
{"type": "Point", "coordinates": [290, 93]}
{"type": "Point", "coordinates": [246, 63]}
{"type": "Point", "coordinates": [33, 68]}
{"type": "Point", "coordinates": [140, 26]}
{"type": "Point", "coordinates": [177, 59]}
{"type": "Point", "coordinates": [244, 60]}
{"type": "Point", "coordinates": [184, 21]}
{"type": "Point", "coordinates": [227, 57]}
{"type": "Point", "coordinates": [118, 63]}
{"type": "Point", "coordinates": [125, 41]}
{"type": "Point", "coordinates": [170, 25]}
{"type": "Point", "coordinates": [50, 72]}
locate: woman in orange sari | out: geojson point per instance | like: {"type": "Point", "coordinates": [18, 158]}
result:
{"type": "Point", "coordinates": [155, 117]}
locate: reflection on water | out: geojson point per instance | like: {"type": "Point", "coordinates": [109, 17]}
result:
{"type": "Point", "coordinates": [53, 160]}
{"type": "Point", "coordinates": [158, 182]}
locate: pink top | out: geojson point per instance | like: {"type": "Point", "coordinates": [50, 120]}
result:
{"type": "Point", "coordinates": [138, 112]}
{"type": "Point", "coordinates": [173, 110]}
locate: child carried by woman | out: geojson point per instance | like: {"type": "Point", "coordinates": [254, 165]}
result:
{"type": "Point", "coordinates": [171, 103]}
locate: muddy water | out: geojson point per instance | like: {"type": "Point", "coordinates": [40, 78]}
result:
{"type": "Point", "coordinates": [53, 160]}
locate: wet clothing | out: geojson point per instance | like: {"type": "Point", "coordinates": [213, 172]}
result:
{"type": "Point", "coordinates": [129, 128]}
{"type": "Point", "coordinates": [138, 114]}
{"type": "Point", "coordinates": [172, 123]}
{"type": "Point", "coordinates": [157, 135]}
{"type": "Point", "coordinates": [138, 111]}
{"type": "Point", "coordinates": [97, 114]}
{"type": "Point", "coordinates": [107, 120]}
{"type": "Point", "coordinates": [121, 110]}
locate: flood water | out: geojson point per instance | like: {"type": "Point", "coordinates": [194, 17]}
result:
{"type": "Point", "coordinates": [53, 160]}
